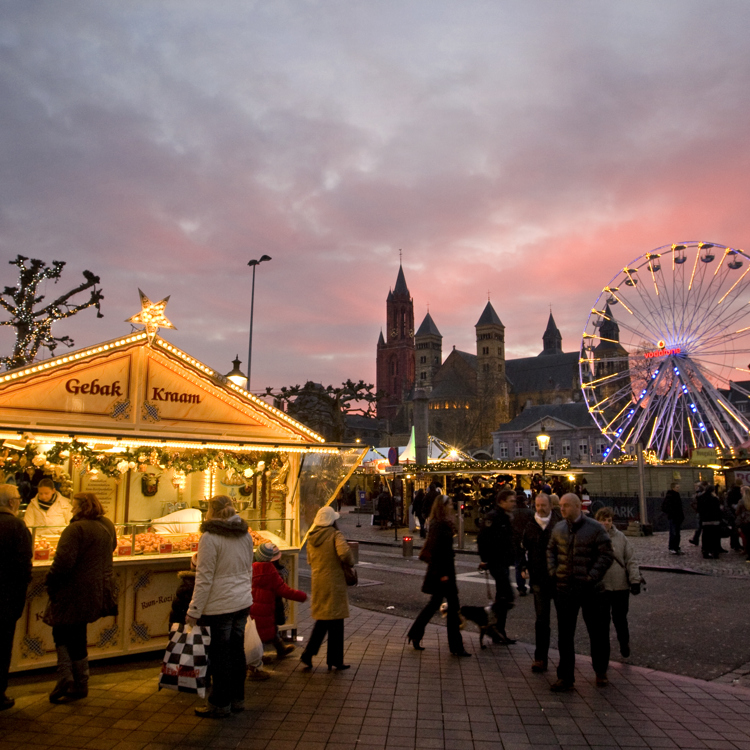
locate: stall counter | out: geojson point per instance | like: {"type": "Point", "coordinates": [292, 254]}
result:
{"type": "Point", "coordinates": [146, 585]}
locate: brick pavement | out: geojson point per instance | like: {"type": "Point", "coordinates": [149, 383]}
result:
{"type": "Point", "coordinates": [393, 698]}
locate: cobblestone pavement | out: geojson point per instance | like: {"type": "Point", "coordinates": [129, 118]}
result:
{"type": "Point", "coordinates": [392, 698]}
{"type": "Point", "coordinates": [651, 551]}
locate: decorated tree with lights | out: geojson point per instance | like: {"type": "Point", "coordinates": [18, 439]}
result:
{"type": "Point", "coordinates": [324, 408]}
{"type": "Point", "coordinates": [31, 318]}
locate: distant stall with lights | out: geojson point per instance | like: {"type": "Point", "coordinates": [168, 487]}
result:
{"type": "Point", "coordinates": [153, 432]}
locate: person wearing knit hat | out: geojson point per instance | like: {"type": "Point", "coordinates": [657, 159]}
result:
{"type": "Point", "coordinates": [327, 549]}
{"type": "Point", "coordinates": [267, 587]}
{"type": "Point", "coordinates": [267, 552]}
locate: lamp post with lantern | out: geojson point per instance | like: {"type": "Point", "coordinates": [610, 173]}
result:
{"type": "Point", "coordinates": [542, 440]}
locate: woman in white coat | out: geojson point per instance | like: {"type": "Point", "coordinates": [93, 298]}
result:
{"type": "Point", "coordinates": [621, 580]}
{"type": "Point", "coordinates": [221, 600]}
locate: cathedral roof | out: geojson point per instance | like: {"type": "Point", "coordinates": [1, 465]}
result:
{"type": "Point", "coordinates": [428, 327]}
{"type": "Point", "coordinates": [401, 287]}
{"type": "Point", "coordinates": [489, 317]}
{"type": "Point", "coordinates": [554, 372]}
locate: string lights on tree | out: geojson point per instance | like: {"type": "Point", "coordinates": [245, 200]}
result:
{"type": "Point", "coordinates": [34, 326]}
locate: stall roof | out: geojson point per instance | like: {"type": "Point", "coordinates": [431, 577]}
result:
{"type": "Point", "coordinates": [133, 388]}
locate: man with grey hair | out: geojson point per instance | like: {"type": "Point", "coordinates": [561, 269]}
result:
{"type": "Point", "coordinates": [578, 556]}
{"type": "Point", "coordinates": [15, 575]}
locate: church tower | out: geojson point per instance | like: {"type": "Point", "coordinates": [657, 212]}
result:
{"type": "Point", "coordinates": [492, 385]}
{"type": "Point", "coordinates": [429, 345]}
{"type": "Point", "coordinates": [395, 357]}
{"type": "Point", "coordinates": [552, 338]}
{"type": "Point", "coordinates": [612, 359]}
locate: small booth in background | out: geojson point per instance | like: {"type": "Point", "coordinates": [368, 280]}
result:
{"type": "Point", "coordinates": [155, 433]}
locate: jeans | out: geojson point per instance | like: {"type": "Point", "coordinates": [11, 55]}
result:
{"type": "Point", "coordinates": [618, 603]}
{"type": "Point", "coordinates": [674, 535]}
{"type": "Point", "coordinates": [449, 592]}
{"type": "Point", "coordinates": [226, 657]}
{"type": "Point", "coordinates": [73, 637]}
{"type": "Point", "coordinates": [7, 630]}
{"type": "Point", "coordinates": [543, 596]}
{"type": "Point", "coordinates": [711, 540]}
{"type": "Point", "coordinates": [593, 606]}
{"type": "Point", "coordinates": [335, 630]}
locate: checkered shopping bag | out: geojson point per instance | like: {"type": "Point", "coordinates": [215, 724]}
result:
{"type": "Point", "coordinates": [185, 661]}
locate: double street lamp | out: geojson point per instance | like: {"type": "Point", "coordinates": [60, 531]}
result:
{"type": "Point", "coordinates": [542, 440]}
{"type": "Point", "coordinates": [253, 264]}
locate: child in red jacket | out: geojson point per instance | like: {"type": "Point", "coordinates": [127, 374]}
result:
{"type": "Point", "coordinates": [267, 587]}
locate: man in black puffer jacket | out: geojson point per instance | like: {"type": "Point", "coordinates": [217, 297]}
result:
{"type": "Point", "coordinates": [578, 556]}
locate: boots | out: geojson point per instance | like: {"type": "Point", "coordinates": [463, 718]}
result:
{"type": "Point", "coordinates": [81, 680]}
{"type": "Point", "coordinates": [64, 676]}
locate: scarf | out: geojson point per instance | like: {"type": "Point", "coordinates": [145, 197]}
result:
{"type": "Point", "coordinates": [46, 505]}
{"type": "Point", "coordinates": [543, 521]}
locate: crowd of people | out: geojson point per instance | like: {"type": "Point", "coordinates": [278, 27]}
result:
{"type": "Point", "coordinates": [580, 564]}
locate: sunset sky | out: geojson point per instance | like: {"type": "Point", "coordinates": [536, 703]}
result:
{"type": "Point", "coordinates": [525, 150]}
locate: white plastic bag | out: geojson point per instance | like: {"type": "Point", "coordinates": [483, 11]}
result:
{"type": "Point", "coordinates": [185, 661]}
{"type": "Point", "coordinates": [253, 644]}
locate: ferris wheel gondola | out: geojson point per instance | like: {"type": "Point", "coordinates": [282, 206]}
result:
{"type": "Point", "coordinates": [664, 351]}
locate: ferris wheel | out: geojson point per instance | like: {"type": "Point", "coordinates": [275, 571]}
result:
{"type": "Point", "coordinates": [665, 356]}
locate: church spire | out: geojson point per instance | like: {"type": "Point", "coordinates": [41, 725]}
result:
{"type": "Point", "coordinates": [552, 338]}
{"type": "Point", "coordinates": [401, 288]}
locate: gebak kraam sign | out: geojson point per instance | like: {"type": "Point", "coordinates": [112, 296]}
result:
{"type": "Point", "coordinates": [662, 351]}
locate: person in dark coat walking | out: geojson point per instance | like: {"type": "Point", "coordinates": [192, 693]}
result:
{"type": "Point", "coordinates": [417, 509]}
{"type": "Point", "coordinates": [578, 556]}
{"type": "Point", "coordinates": [497, 551]}
{"type": "Point", "coordinates": [433, 492]}
{"type": "Point", "coordinates": [709, 512]}
{"type": "Point", "coordinates": [671, 507]}
{"type": "Point", "coordinates": [440, 579]}
{"type": "Point", "coordinates": [80, 586]}
{"type": "Point", "coordinates": [534, 542]}
{"type": "Point", "coordinates": [15, 575]}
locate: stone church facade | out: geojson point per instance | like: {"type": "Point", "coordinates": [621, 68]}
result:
{"type": "Point", "coordinates": [470, 393]}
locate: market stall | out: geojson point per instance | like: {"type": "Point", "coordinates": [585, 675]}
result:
{"type": "Point", "coordinates": [155, 433]}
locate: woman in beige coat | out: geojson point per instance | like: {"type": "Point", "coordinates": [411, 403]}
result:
{"type": "Point", "coordinates": [326, 551]}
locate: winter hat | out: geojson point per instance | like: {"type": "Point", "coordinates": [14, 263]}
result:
{"type": "Point", "coordinates": [326, 516]}
{"type": "Point", "coordinates": [267, 552]}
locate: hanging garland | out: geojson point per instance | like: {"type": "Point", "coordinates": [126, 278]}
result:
{"type": "Point", "coordinates": [562, 464]}
{"type": "Point", "coordinates": [136, 459]}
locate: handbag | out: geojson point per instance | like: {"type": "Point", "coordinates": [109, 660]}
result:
{"type": "Point", "coordinates": [185, 662]}
{"type": "Point", "coordinates": [350, 574]}
{"type": "Point", "coordinates": [253, 644]}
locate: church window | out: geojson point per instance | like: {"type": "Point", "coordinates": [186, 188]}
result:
{"type": "Point", "coordinates": [393, 367]}
{"type": "Point", "coordinates": [422, 360]}
{"type": "Point", "coordinates": [499, 351]}
{"type": "Point", "coordinates": [423, 376]}
{"type": "Point", "coordinates": [485, 350]}
{"type": "Point", "coordinates": [566, 447]}
{"type": "Point", "coordinates": [503, 450]}
{"type": "Point", "coordinates": [519, 449]}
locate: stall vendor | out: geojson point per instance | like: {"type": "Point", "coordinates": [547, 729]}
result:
{"type": "Point", "coordinates": [48, 507]}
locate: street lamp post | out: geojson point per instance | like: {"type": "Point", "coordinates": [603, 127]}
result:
{"type": "Point", "coordinates": [542, 440]}
{"type": "Point", "coordinates": [252, 264]}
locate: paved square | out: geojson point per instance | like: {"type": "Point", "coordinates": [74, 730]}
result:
{"type": "Point", "coordinates": [393, 698]}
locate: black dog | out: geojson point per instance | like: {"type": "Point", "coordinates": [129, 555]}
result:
{"type": "Point", "coordinates": [485, 619]}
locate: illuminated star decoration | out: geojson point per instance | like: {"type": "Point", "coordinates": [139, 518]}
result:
{"type": "Point", "coordinates": [152, 316]}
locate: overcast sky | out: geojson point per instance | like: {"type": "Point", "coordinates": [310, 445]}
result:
{"type": "Point", "coordinates": [528, 150]}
